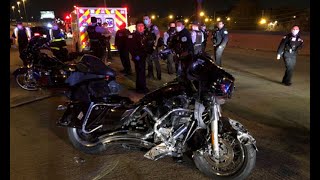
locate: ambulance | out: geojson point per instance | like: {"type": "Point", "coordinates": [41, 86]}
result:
{"type": "Point", "coordinates": [114, 17]}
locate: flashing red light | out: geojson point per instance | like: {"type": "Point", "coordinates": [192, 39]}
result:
{"type": "Point", "coordinates": [36, 34]}
{"type": "Point", "coordinates": [67, 17]}
{"type": "Point", "coordinates": [126, 8]}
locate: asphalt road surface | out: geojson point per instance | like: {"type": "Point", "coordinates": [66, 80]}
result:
{"type": "Point", "coordinates": [277, 116]}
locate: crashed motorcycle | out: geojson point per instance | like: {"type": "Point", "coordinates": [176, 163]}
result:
{"type": "Point", "coordinates": [41, 68]}
{"type": "Point", "coordinates": [177, 118]}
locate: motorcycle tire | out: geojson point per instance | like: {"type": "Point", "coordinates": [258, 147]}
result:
{"type": "Point", "coordinates": [89, 145]}
{"type": "Point", "coordinates": [249, 160]}
{"type": "Point", "coordinates": [25, 86]}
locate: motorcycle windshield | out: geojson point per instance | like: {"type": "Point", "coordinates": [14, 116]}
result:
{"type": "Point", "coordinates": [204, 69]}
{"type": "Point", "coordinates": [93, 65]}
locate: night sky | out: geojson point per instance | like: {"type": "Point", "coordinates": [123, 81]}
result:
{"type": "Point", "coordinates": [161, 7]}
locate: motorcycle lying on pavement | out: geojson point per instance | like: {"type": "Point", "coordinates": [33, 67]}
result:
{"type": "Point", "coordinates": [41, 68]}
{"type": "Point", "coordinates": [169, 121]}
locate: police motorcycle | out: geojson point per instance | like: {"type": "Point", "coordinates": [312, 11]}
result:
{"type": "Point", "coordinates": [172, 120]}
{"type": "Point", "coordinates": [41, 68]}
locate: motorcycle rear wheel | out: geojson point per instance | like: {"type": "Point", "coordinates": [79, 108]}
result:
{"type": "Point", "coordinates": [86, 143]}
{"type": "Point", "coordinates": [236, 160]}
{"type": "Point", "coordinates": [25, 83]}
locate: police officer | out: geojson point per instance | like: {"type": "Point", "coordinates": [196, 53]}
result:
{"type": "Point", "coordinates": [137, 48]}
{"type": "Point", "coordinates": [153, 35]}
{"type": "Point", "coordinates": [197, 37]}
{"type": "Point", "coordinates": [22, 36]}
{"type": "Point", "coordinates": [220, 39]}
{"type": "Point", "coordinates": [121, 43]}
{"type": "Point", "coordinates": [183, 46]}
{"type": "Point", "coordinates": [205, 32]}
{"type": "Point", "coordinates": [167, 39]}
{"type": "Point", "coordinates": [288, 48]}
{"type": "Point", "coordinates": [108, 35]}
{"type": "Point", "coordinates": [57, 44]}
{"type": "Point", "coordinates": [96, 39]}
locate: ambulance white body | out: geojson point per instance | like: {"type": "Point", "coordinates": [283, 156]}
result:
{"type": "Point", "coordinates": [81, 17]}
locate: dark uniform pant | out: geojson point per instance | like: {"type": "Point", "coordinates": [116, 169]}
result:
{"type": "Point", "coordinates": [140, 68]}
{"type": "Point", "coordinates": [125, 60]}
{"type": "Point", "coordinates": [98, 49]}
{"type": "Point", "coordinates": [185, 63]}
{"type": "Point", "coordinates": [109, 49]}
{"type": "Point", "coordinates": [289, 61]}
{"type": "Point", "coordinates": [218, 50]}
{"type": "Point", "coordinates": [197, 49]}
{"type": "Point", "coordinates": [170, 64]}
{"type": "Point", "coordinates": [153, 58]}
{"type": "Point", "coordinates": [203, 46]}
{"type": "Point", "coordinates": [21, 47]}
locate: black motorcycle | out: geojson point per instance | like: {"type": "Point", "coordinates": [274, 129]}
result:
{"type": "Point", "coordinates": [179, 117]}
{"type": "Point", "coordinates": [41, 68]}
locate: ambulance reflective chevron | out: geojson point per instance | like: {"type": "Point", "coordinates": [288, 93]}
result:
{"type": "Point", "coordinates": [81, 18]}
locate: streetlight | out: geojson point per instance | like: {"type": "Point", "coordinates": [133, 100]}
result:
{"type": "Point", "coordinates": [19, 12]}
{"type": "Point", "coordinates": [18, 4]}
{"type": "Point", "coordinates": [25, 12]}
{"type": "Point", "coordinates": [186, 20]}
{"type": "Point", "coordinates": [170, 16]}
{"type": "Point", "coordinates": [218, 19]}
{"type": "Point", "coordinates": [153, 17]}
{"type": "Point", "coordinates": [206, 20]}
{"type": "Point", "coordinates": [13, 11]}
{"type": "Point", "coordinates": [228, 19]}
{"type": "Point", "coordinates": [201, 13]}
{"type": "Point", "coordinates": [263, 21]}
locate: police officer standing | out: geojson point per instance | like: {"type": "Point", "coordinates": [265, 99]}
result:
{"type": "Point", "coordinates": [57, 44]}
{"type": "Point", "coordinates": [96, 39]}
{"type": "Point", "coordinates": [22, 36]}
{"type": "Point", "coordinates": [288, 48]}
{"type": "Point", "coordinates": [153, 34]}
{"type": "Point", "coordinates": [108, 35]}
{"type": "Point", "coordinates": [121, 43]}
{"type": "Point", "coordinates": [203, 29]}
{"type": "Point", "coordinates": [137, 48]}
{"type": "Point", "coordinates": [167, 39]}
{"type": "Point", "coordinates": [183, 46]}
{"type": "Point", "coordinates": [220, 39]}
{"type": "Point", "coordinates": [197, 37]}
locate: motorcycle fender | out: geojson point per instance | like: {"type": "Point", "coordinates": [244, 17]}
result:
{"type": "Point", "coordinates": [242, 134]}
{"type": "Point", "coordinates": [21, 70]}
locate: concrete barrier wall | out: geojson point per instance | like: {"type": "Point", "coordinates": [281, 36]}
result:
{"type": "Point", "coordinates": [260, 41]}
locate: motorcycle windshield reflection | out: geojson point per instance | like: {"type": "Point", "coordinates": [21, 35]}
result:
{"type": "Point", "coordinates": [92, 64]}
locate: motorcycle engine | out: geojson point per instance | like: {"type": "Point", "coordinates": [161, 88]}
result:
{"type": "Point", "coordinates": [177, 122]}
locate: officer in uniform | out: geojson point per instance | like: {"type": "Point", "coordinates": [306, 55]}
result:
{"type": "Point", "coordinates": [108, 35]}
{"type": "Point", "coordinates": [183, 46]}
{"type": "Point", "coordinates": [153, 34]}
{"type": "Point", "coordinates": [288, 48]}
{"type": "Point", "coordinates": [167, 39]}
{"type": "Point", "coordinates": [137, 48]}
{"type": "Point", "coordinates": [197, 37]}
{"type": "Point", "coordinates": [203, 29]}
{"type": "Point", "coordinates": [220, 39]}
{"type": "Point", "coordinates": [96, 39]}
{"type": "Point", "coordinates": [57, 44]}
{"type": "Point", "coordinates": [121, 43]}
{"type": "Point", "coordinates": [22, 36]}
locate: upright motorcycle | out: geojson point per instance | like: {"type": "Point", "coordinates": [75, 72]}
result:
{"type": "Point", "coordinates": [178, 117]}
{"type": "Point", "coordinates": [41, 68]}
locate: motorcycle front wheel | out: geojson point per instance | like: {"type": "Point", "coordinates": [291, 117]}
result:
{"type": "Point", "coordinates": [26, 82]}
{"type": "Point", "coordinates": [235, 160]}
